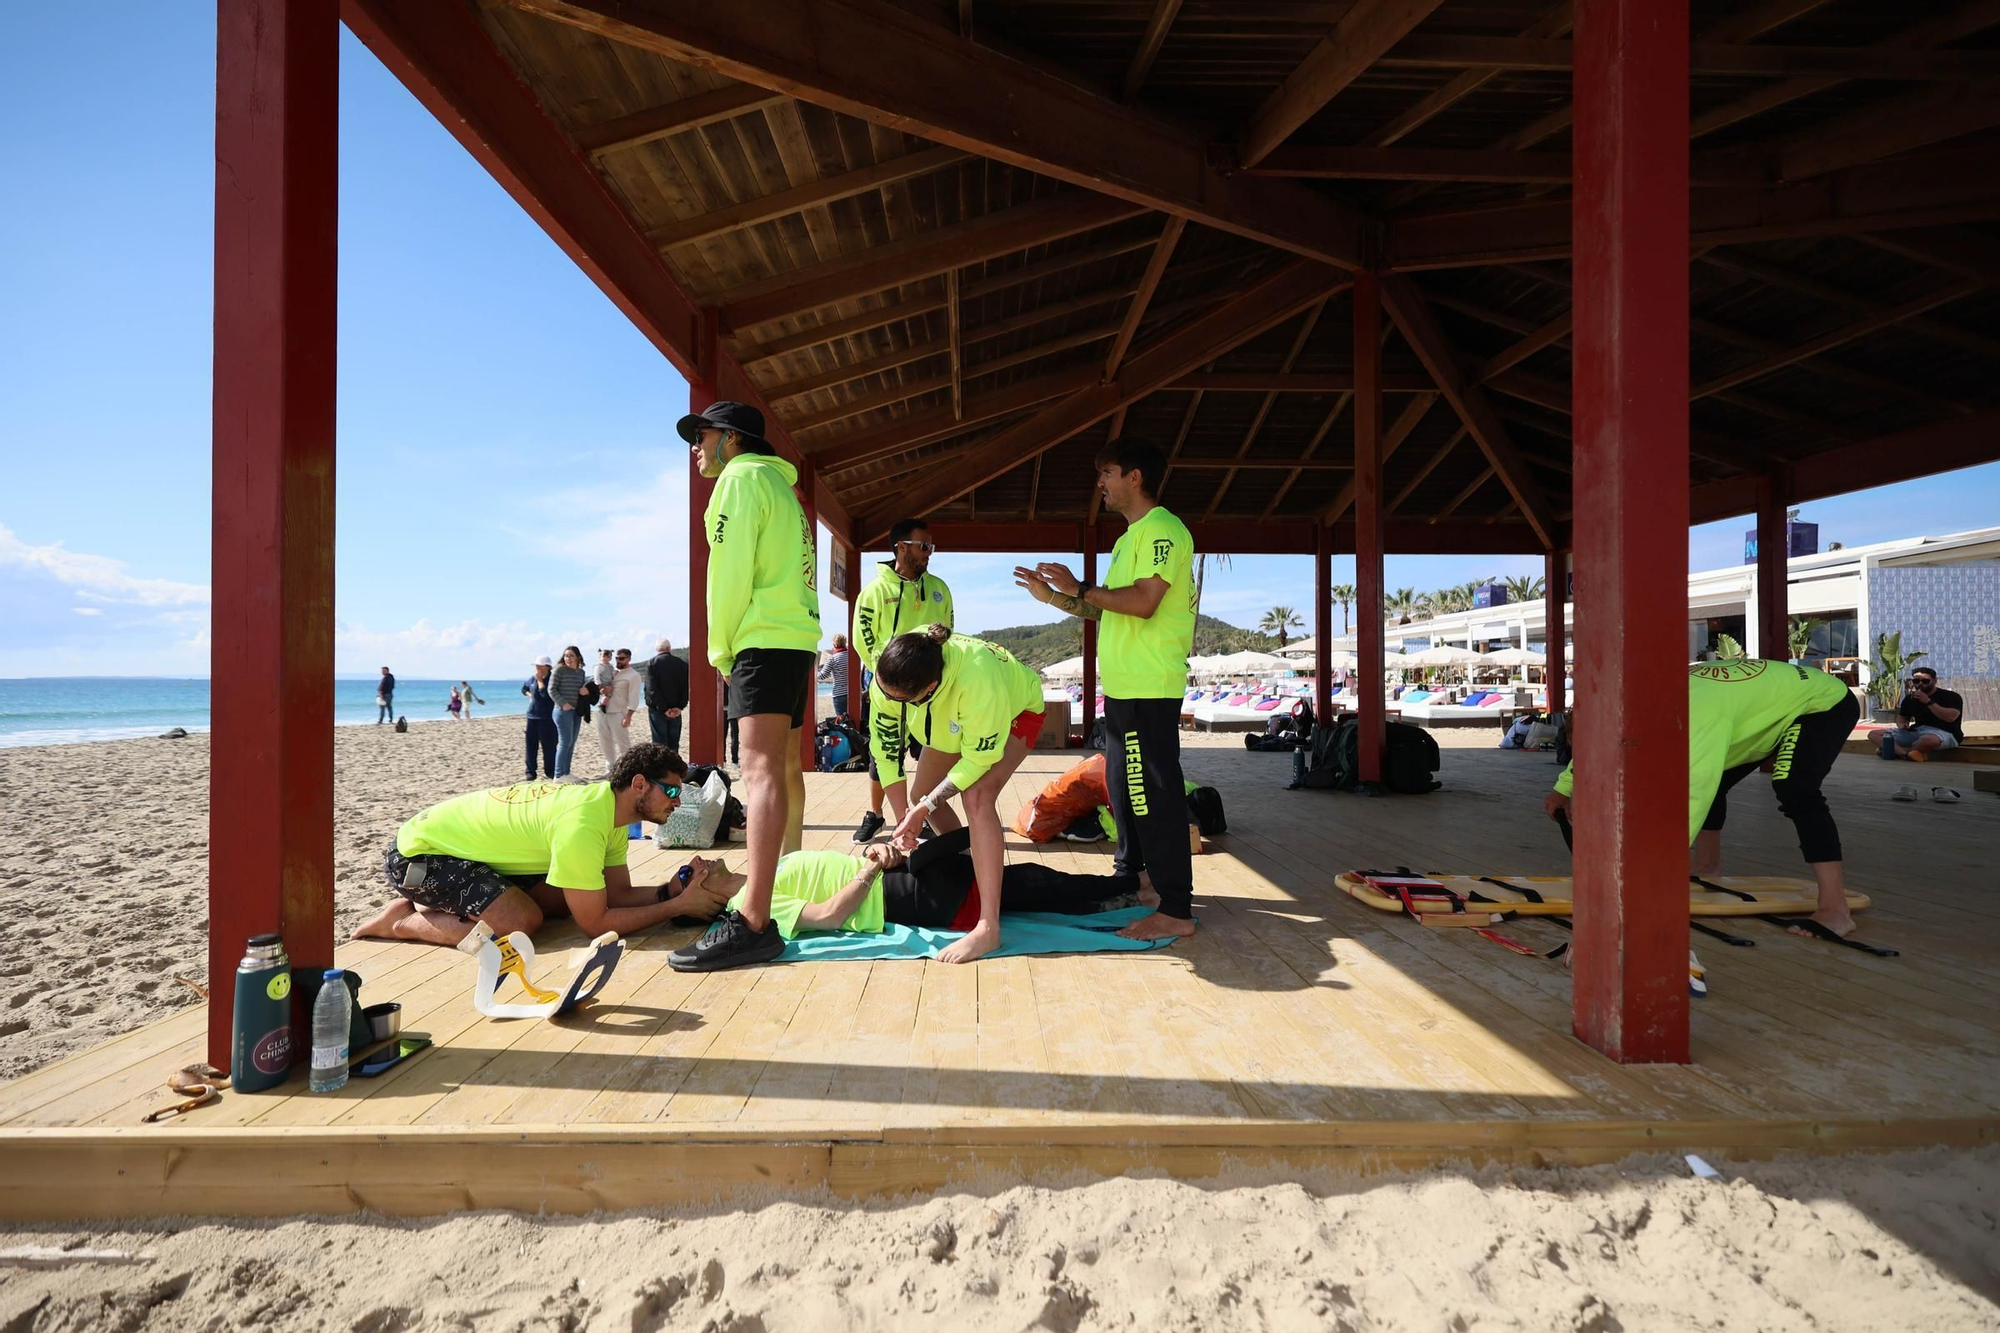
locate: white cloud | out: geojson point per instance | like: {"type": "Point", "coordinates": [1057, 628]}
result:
{"type": "Point", "coordinates": [86, 610]}
{"type": "Point", "coordinates": [473, 648]}
{"type": "Point", "coordinates": [97, 578]}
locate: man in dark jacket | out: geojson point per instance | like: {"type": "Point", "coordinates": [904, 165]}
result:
{"type": "Point", "coordinates": [666, 695]}
{"type": "Point", "coordinates": [385, 698]}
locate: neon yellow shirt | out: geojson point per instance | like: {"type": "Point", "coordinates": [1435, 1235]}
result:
{"type": "Point", "coordinates": [984, 689]}
{"type": "Point", "coordinates": [565, 833]}
{"type": "Point", "coordinates": [1738, 712]}
{"type": "Point", "coordinates": [892, 605]}
{"type": "Point", "coordinates": [805, 878]}
{"type": "Point", "coordinates": [762, 567]}
{"type": "Point", "coordinates": [1143, 658]}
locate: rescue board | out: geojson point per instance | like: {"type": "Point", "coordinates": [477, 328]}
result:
{"type": "Point", "coordinates": [1768, 895]}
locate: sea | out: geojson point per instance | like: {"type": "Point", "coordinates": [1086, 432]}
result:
{"type": "Point", "coordinates": [63, 710]}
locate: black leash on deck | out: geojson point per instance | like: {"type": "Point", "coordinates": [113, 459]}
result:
{"type": "Point", "coordinates": [1569, 841]}
{"type": "Point", "coordinates": [1805, 923]}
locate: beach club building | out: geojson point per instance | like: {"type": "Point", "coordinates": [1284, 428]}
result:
{"type": "Point", "coordinates": [1942, 594]}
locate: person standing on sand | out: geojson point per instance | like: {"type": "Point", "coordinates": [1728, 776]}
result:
{"type": "Point", "coordinates": [465, 691]}
{"type": "Point", "coordinates": [621, 702]}
{"type": "Point", "coordinates": [541, 719]}
{"type": "Point", "coordinates": [566, 684]}
{"type": "Point", "coordinates": [763, 634]}
{"type": "Point", "coordinates": [385, 698]}
{"type": "Point", "coordinates": [666, 694]}
{"type": "Point", "coordinates": [515, 856]}
{"type": "Point", "coordinates": [455, 705]}
{"type": "Point", "coordinates": [1146, 611]}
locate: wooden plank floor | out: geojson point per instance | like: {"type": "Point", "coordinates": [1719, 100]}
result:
{"type": "Point", "coordinates": [1299, 1028]}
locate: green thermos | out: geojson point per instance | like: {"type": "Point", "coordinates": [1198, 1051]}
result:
{"type": "Point", "coordinates": [261, 1046]}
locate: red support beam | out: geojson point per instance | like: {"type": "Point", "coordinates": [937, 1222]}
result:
{"type": "Point", "coordinates": [1322, 625]}
{"type": "Point", "coordinates": [1089, 636]}
{"type": "Point", "coordinates": [1555, 628]}
{"type": "Point", "coordinates": [852, 557]}
{"type": "Point", "coordinates": [704, 731]}
{"type": "Point", "coordinates": [270, 833]}
{"type": "Point", "coordinates": [1368, 524]}
{"type": "Point", "coordinates": [1773, 554]}
{"type": "Point", "coordinates": [1631, 513]}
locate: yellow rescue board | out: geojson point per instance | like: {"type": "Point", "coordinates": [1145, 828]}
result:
{"type": "Point", "coordinates": [1774, 895]}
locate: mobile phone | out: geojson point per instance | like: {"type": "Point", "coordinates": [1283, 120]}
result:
{"type": "Point", "coordinates": [415, 872]}
{"type": "Point", "coordinates": [390, 1056]}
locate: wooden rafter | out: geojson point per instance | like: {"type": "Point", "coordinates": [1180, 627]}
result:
{"type": "Point", "coordinates": [1413, 315]}
{"type": "Point", "coordinates": [933, 424]}
{"type": "Point", "coordinates": [1960, 251]}
{"type": "Point", "coordinates": [957, 341]}
{"type": "Point", "coordinates": [1422, 474]}
{"type": "Point", "coordinates": [1805, 285]}
{"type": "Point", "coordinates": [892, 394]}
{"type": "Point", "coordinates": [813, 194]}
{"type": "Point", "coordinates": [689, 113]}
{"type": "Point", "coordinates": [924, 255]}
{"type": "Point", "coordinates": [1277, 298]}
{"type": "Point", "coordinates": [1764, 59]}
{"type": "Point", "coordinates": [1149, 283]}
{"type": "Point", "coordinates": [1552, 24]}
{"type": "Point", "coordinates": [1292, 354]}
{"type": "Point", "coordinates": [1839, 337]}
{"type": "Point", "coordinates": [1489, 165]}
{"type": "Point", "coordinates": [1115, 430]}
{"type": "Point", "coordinates": [1472, 488]}
{"type": "Point", "coordinates": [1883, 129]}
{"type": "Point", "coordinates": [1392, 439]}
{"type": "Point", "coordinates": [1280, 381]}
{"type": "Point", "coordinates": [1149, 49]}
{"type": "Point", "coordinates": [1367, 30]}
{"type": "Point", "coordinates": [884, 64]}
{"type": "Point", "coordinates": [1555, 331]}
{"type": "Point", "coordinates": [1333, 414]}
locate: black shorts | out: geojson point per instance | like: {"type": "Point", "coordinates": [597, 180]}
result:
{"type": "Point", "coordinates": [771, 680]}
{"type": "Point", "coordinates": [463, 888]}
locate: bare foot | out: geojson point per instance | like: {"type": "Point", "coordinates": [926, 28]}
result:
{"type": "Point", "coordinates": [1159, 926]}
{"type": "Point", "coordinates": [383, 926]}
{"type": "Point", "coordinates": [981, 940]}
{"type": "Point", "coordinates": [1148, 895]}
{"type": "Point", "coordinates": [1840, 923]}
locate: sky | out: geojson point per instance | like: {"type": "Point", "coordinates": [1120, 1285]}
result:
{"type": "Point", "coordinates": [508, 481]}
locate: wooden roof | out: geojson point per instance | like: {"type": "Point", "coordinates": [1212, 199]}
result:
{"type": "Point", "coordinates": [953, 245]}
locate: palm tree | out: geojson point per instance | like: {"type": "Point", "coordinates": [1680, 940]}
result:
{"type": "Point", "coordinates": [1343, 597]}
{"type": "Point", "coordinates": [1521, 588]}
{"type": "Point", "coordinates": [1401, 603]}
{"type": "Point", "coordinates": [1280, 620]}
{"type": "Point", "coordinates": [1201, 578]}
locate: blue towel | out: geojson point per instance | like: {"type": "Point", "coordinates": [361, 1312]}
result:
{"type": "Point", "coordinates": [1020, 933]}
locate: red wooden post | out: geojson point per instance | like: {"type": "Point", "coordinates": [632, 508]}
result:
{"type": "Point", "coordinates": [1630, 225]}
{"type": "Point", "coordinates": [1322, 624]}
{"type": "Point", "coordinates": [1555, 631]}
{"type": "Point", "coordinates": [1089, 637]}
{"type": "Point", "coordinates": [853, 558]}
{"type": "Point", "coordinates": [1774, 541]}
{"type": "Point", "coordinates": [704, 712]}
{"type": "Point", "coordinates": [270, 833]}
{"type": "Point", "coordinates": [808, 752]}
{"type": "Point", "coordinates": [1368, 522]}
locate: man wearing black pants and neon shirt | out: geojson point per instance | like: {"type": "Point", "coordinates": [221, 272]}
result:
{"type": "Point", "coordinates": [1145, 610]}
{"type": "Point", "coordinates": [1741, 716]}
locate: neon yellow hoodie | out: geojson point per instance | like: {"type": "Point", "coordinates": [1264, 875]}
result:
{"type": "Point", "coordinates": [984, 689]}
{"type": "Point", "coordinates": [1738, 712]}
{"type": "Point", "coordinates": [892, 605]}
{"type": "Point", "coordinates": [762, 584]}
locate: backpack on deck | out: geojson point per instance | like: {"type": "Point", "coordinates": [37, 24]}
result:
{"type": "Point", "coordinates": [1412, 758]}
{"type": "Point", "coordinates": [839, 747]}
{"type": "Point", "coordinates": [1205, 809]}
{"type": "Point", "coordinates": [1333, 757]}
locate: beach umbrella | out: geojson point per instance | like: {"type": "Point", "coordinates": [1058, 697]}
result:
{"type": "Point", "coordinates": [1249, 663]}
{"type": "Point", "coordinates": [1443, 655]}
{"type": "Point", "coordinates": [1070, 668]}
{"type": "Point", "coordinates": [1516, 657]}
{"type": "Point", "coordinates": [1300, 648]}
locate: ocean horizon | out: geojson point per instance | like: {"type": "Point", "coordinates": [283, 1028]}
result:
{"type": "Point", "coordinates": [69, 710]}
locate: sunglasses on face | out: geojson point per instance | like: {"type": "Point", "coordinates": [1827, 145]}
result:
{"type": "Point", "coordinates": [925, 547]}
{"type": "Point", "coordinates": [672, 793]}
{"type": "Point", "coordinates": [923, 698]}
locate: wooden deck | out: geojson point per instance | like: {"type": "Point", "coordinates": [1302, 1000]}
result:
{"type": "Point", "coordinates": [1299, 1029]}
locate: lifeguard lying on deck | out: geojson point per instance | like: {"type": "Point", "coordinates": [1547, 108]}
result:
{"type": "Point", "coordinates": [513, 856]}
{"type": "Point", "coordinates": [1743, 715]}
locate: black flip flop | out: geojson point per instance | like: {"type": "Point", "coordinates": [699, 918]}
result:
{"type": "Point", "coordinates": [1819, 932]}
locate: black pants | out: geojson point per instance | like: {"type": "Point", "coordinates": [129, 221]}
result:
{"type": "Point", "coordinates": [1142, 767]}
{"type": "Point", "coordinates": [934, 886]}
{"type": "Point", "coordinates": [1804, 757]}
{"type": "Point", "coordinates": [666, 730]}
{"type": "Point", "coordinates": [542, 736]}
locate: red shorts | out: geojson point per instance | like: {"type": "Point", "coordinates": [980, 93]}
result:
{"type": "Point", "coordinates": [1027, 726]}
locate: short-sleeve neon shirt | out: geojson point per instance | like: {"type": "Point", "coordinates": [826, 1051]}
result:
{"type": "Point", "coordinates": [564, 833]}
{"type": "Point", "coordinates": [805, 878]}
{"type": "Point", "coordinates": [1738, 712]}
{"type": "Point", "coordinates": [1142, 658]}
{"type": "Point", "coordinates": [984, 689]}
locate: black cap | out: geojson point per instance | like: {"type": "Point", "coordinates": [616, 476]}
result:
{"type": "Point", "coordinates": [739, 417]}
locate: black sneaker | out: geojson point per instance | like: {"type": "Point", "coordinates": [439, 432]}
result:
{"type": "Point", "coordinates": [729, 943]}
{"type": "Point", "coordinates": [871, 824]}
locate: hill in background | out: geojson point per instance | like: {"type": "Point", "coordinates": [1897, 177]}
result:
{"type": "Point", "coordinates": [1045, 645]}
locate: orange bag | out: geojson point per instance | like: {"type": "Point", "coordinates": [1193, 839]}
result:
{"type": "Point", "coordinates": [1064, 801]}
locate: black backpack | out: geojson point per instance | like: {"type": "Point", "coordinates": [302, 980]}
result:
{"type": "Point", "coordinates": [1205, 808]}
{"type": "Point", "coordinates": [1412, 758]}
{"type": "Point", "coordinates": [1333, 758]}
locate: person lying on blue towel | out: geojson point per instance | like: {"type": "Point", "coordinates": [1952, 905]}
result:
{"type": "Point", "coordinates": [933, 886]}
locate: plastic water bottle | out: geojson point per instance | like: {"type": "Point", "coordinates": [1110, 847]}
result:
{"type": "Point", "coordinates": [333, 1017]}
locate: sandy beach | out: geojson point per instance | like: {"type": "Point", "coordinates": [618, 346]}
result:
{"type": "Point", "coordinates": [103, 872]}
